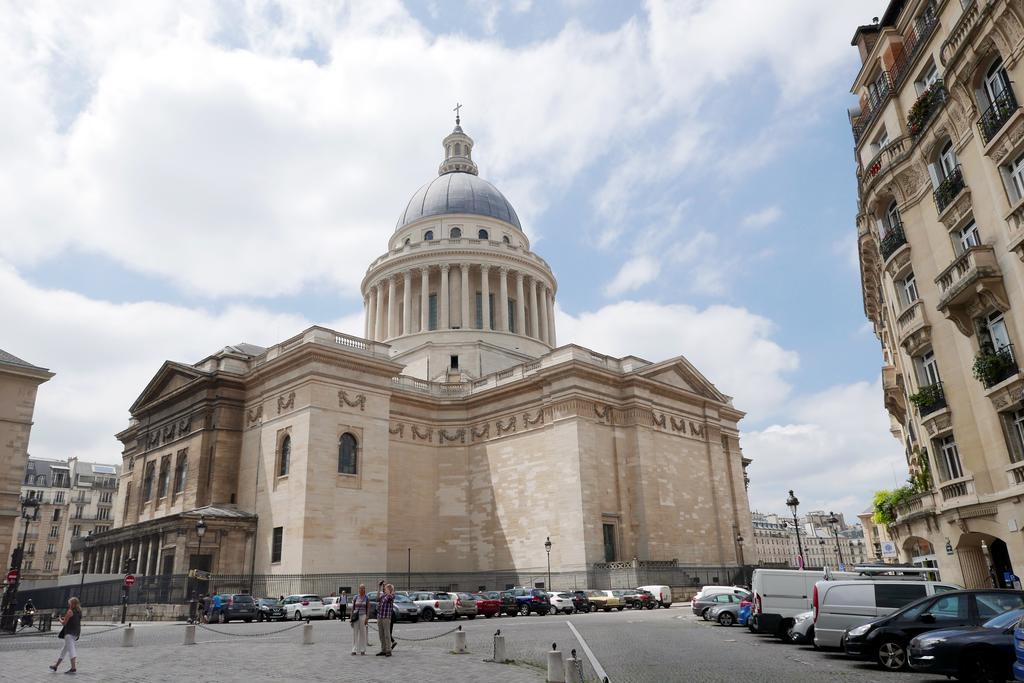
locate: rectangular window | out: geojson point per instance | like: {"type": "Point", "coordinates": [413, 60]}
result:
{"type": "Point", "coordinates": [1013, 422]}
{"type": "Point", "coordinates": [49, 565]}
{"type": "Point", "coordinates": [50, 549]}
{"type": "Point", "coordinates": [454, 362]}
{"type": "Point", "coordinates": [58, 497]}
{"type": "Point", "coordinates": [56, 514]}
{"type": "Point", "coordinates": [180, 472]}
{"type": "Point", "coordinates": [276, 544]}
{"type": "Point", "coordinates": [480, 310]}
{"type": "Point", "coordinates": [106, 497]}
{"type": "Point", "coordinates": [1015, 172]}
{"type": "Point", "coordinates": [54, 531]}
{"type": "Point", "coordinates": [929, 369]}
{"type": "Point", "coordinates": [909, 286]}
{"type": "Point", "coordinates": [949, 459]}
{"type": "Point", "coordinates": [609, 542]}
{"type": "Point", "coordinates": [147, 482]}
{"type": "Point", "coordinates": [103, 513]}
{"type": "Point", "coordinates": [432, 317]}
{"type": "Point", "coordinates": [79, 511]}
{"type": "Point", "coordinates": [512, 316]}
{"type": "Point", "coordinates": [995, 328]}
{"type": "Point", "coordinates": [897, 595]}
{"type": "Point", "coordinates": [76, 531]}
{"type": "Point", "coordinates": [127, 499]}
{"type": "Point", "coordinates": [967, 237]}
{"type": "Point", "coordinates": [165, 477]}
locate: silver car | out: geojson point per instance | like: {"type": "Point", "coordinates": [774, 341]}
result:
{"type": "Point", "coordinates": [465, 605]}
{"type": "Point", "coordinates": [802, 630]}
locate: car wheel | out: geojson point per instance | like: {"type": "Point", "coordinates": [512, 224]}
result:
{"type": "Point", "coordinates": [259, 618]}
{"type": "Point", "coordinates": [248, 621]}
{"type": "Point", "coordinates": [224, 618]}
{"type": "Point", "coordinates": [488, 615]}
{"type": "Point", "coordinates": [471, 616]}
{"type": "Point", "coordinates": [298, 615]}
{"type": "Point", "coordinates": [621, 608]}
{"type": "Point", "coordinates": [983, 666]}
{"type": "Point", "coordinates": [726, 619]}
{"type": "Point", "coordinates": [330, 614]}
{"type": "Point", "coordinates": [524, 610]}
{"type": "Point", "coordinates": [704, 614]}
{"type": "Point", "coordinates": [413, 619]}
{"type": "Point", "coordinates": [892, 655]}
{"type": "Point", "coordinates": [607, 609]}
{"type": "Point", "coordinates": [428, 615]}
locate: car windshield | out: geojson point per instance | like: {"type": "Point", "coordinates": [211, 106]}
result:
{"type": "Point", "coordinates": [269, 602]}
{"type": "Point", "coordinates": [243, 598]}
{"type": "Point", "coordinates": [402, 598]}
{"type": "Point", "coordinates": [1004, 621]}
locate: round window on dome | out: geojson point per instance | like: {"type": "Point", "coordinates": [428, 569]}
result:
{"type": "Point", "coordinates": [428, 235]}
{"type": "Point", "coordinates": [456, 233]}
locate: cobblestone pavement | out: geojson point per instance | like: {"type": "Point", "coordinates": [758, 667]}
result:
{"type": "Point", "coordinates": [253, 652]}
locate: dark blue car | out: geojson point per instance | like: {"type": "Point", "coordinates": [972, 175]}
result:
{"type": "Point", "coordinates": [973, 653]}
{"type": "Point", "coordinates": [1018, 648]}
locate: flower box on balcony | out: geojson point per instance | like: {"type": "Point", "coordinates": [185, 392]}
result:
{"type": "Point", "coordinates": [992, 367]}
{"type": "Point", "coordinates": [925, 107]}
{"type": "Point", "coordinates": [929, 398]}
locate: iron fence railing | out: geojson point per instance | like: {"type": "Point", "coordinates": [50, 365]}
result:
{"type": "Point", "coordinates": [949, 188]}
{"type": "Point", "coordinates": [998, 113]}
{"type": "Point", "coordinates": [893, 240]}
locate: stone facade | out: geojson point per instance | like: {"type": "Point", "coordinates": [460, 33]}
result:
{"type": "Point", "coordinates": [18, 384]}
{"type": "Point", "coordinates": [939, 143]}
{"type": "Point", "coordinates": [463, 443]}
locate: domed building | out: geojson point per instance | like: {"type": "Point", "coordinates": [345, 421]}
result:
{"type": "Point", "coordinates": [453, 444]}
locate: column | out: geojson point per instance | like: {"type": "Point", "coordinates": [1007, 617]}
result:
{"type": "Point", "coordinates": [392, 307]}
{"type": "Point", "coordinates": [147, 545]}
{"type": "Point", "coordinates": [467, 324]}
{"type": "Point", "coordinates": [424, 298]}
{"type": "Point", "coordinates": [485, 299]}
{"type": "Point", "coordinates": [366, 317]}
{"type": "Point", "coordinates": [503, 298]}
{"type": "Point", "coordinates": [118, 553]}
{"type": "Point", "coordinates": [407, 302]}
{"type": "Point", "coordinates": [378, 317]}
{"type": "Point", "coordinates": [444, 323]}
{"type": "Point", "coordinates": [520, 305]}
{"type": "Point", "coordinates": [107, 550]}
{"type": "Point", "coordinates": [551, 317]}
{"type": "Point", "coordinates": [543, 314]}
{"type": "Point", "coordinates": [534, 330]}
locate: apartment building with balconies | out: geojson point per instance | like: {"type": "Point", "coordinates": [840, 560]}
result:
{"type": "Point", "coordinates": [75, 499]}
{"type": "Point", "coordinates": [939, 146]}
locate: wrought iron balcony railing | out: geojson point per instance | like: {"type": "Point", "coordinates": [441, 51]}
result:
{"type": "Point", "coordinates": [929, 398]}
{"type": "Point", "coordinates": [992, 367]}
{"type": "Point", "coordinates": [949, 188]}
{"type": "Point", "coordinates": [893, 240]}
{"type": "Point", "coordinates": [996, 116]}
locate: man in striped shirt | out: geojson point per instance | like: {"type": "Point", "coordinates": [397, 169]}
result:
{"type": "Point", "coordinates": [385, 608]}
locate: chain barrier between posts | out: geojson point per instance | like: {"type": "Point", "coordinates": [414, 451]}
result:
{"type": "Point", "coordinates": [251, 635]}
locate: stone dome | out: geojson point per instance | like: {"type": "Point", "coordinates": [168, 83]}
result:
{"type": "Point", "coordinates": [457, 192]}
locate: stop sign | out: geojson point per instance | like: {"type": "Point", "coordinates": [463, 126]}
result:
{"type": "Point", "coordinates": [129, 580]}
{"type": "Point", "coordinates": [12, 576]}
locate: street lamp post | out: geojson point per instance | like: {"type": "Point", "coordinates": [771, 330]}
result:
{"type": "Point", "coordinates": [85, 551]}
{"type": "Point", "coordinates": [833, 521]}
{"type": "Point", "coordinates": [547, 547]}
{"type": "Point", "coordinates": [29, 509]}
{"type": "Point", "coordinates": [792, 503]}
{"type": "Point", "coordinates": [200, 532]}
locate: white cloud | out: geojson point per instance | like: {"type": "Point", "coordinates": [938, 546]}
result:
{"type": "Point", "coordinates": [731, 346]}
{"type": "Point", "coordinates": [634, 273]}
{"type": "Point", "coordinates": [835, 450]}
{"type": "Point", "coordinates": [762, 219]}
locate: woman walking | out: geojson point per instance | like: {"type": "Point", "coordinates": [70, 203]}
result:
{"type": "Point", "coordinates": [72, 621]}
{"type": "Point", "coordinates": [358, 619]}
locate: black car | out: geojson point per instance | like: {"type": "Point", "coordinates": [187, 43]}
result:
{"type": "Point", "coordinates": [972, 653]}
{"type": "Point", "coordinates": [886, 640]}
{"type": "Point", "coordinates": [269, 609]}
{"type": "Point", "coordinates": [580, 601]}
{"type": "Point", "coordinates": [236, 606]}
{"type": "Point", "coordinates": [531, 600]}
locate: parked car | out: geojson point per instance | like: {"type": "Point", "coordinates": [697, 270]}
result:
{"type": "Point", "coordinates": [304, 606]}
{"type": "Point", "coordinates": [237, 606]}
{"type": "Point", "coordinates": [663, 593]}
{"type": "Point", "coordinates": [802, 630]}
{"type": "Point", "coordinates": [334, 608]}
{"type": "Point", "coordinates": [725, 614]}
{"type": "Point", "coordinates": [562, 603]}
{"type": "Point", "coordinates": [841, 605]}
{"type": "Point", "coordinates": [628, 597]}
{"type": "Point", "coordinates": [702, 606]}
{"type": "Point", "coordinates": [781, 594]}
{"type": "Point", "coordinates": [645, 599]}
{"type": "Point", "coordinates": [603, 600]}
{"type": "Point", "coordinates": [486, 605]}
{"type": "Point", "coordinates": [722, 589]}
{"type": "Point", "coordinates": [580, 602]}
{"type": "Point", "coordinates": [531, 600]}
{"type": "Point", "coordinates": [269, 609]}
{"type": "Point", "coordinates": [465, 605]}
{"type": "Point", "coordinates": [509, 605]}
{"type": "Point", "coordinates": [886, 639]}
{"type": "Point", "coordinates": [404, 609]}
{"type": "Point", "coordinates": [1018, 648]}
{"type": "Point", "coordinates": [982, 653]}
{"type": "Point", "coordinates": [434, 604]}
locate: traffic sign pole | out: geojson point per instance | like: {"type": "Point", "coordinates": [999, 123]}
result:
{"type": "Point", "coordinates": [129, 581]}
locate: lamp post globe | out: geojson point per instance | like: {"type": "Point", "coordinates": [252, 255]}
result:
{"type": "Point", "coordinates": [547, 548]}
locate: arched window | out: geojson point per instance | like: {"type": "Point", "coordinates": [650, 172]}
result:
{"type": "Point", "coordinates": [505, 239]}
{"type": "Point", "coordinates": [347, 450]}
{"type": "Point", "coordinates": [428, 235]}
{"type": "Point", "coordinates": [996, 81]}
{"type": "Point", "coordinates": [285, 456]}
{"type": "Point", "coordinates": [456, 233]}
{"type": "Point", "coordinates": [482, 234]}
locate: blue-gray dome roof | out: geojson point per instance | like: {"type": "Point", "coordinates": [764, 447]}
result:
{"type": "Point", "coordinates": [458, 193]}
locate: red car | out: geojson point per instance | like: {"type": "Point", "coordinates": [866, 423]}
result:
{"type": "Point", "coordinates": [488, 604]}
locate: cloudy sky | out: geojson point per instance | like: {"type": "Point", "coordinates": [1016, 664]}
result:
{"type": "Point", "coordinates": [177, 176]}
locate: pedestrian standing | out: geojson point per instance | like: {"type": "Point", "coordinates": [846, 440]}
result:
{"type": "Point", "coordinates": [390, 588]}
{"type": "Point", "coordinates": [205, 609]}
{"type": "Point", "coordinates": [70, 632]}
{"type": "Point", "coordinates": [385, 605]}
{"type": "Point", "coordinates": [358, 620]}
{"type": "Point", "coordinates": [215, 605]}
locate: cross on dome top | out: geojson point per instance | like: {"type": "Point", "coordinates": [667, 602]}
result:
{"type": "Point", "coordinates": [458, 150]}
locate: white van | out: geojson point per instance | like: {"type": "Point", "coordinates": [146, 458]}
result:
{"type": "Point", "coordinates": [839, 605]}
{"type": "Point", "coordinates": [781, 594]}
{"type": "Point", "coordinates": [662, 593]}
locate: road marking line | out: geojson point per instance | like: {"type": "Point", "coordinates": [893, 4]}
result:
{"type": "Point", "coordinates": [601, 673]}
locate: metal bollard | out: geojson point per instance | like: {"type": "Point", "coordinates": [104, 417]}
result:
{"type": "Point", "coordinates": [460, 641]}
{"type": "Point", "coordinates": [573, 670]}
{"type": "Point", "coordinates": [556, 666]}
{"type": "Point", "coordinates": [128, 637]}
{"type": "Point", "coordinates": [190, 634]}
{"type": "Point", "coordinates": [499, 648]}
{"type": "Point", "coordinates": [307, 633]}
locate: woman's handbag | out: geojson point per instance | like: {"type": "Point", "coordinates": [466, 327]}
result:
{"type": "Point", "coordinates": [355, 616]}
{"type": "Point", "coordinates": [62, 629]}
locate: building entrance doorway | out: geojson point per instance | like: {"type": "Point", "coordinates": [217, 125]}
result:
{"type": "Point", "coordinates": [1002, 568]}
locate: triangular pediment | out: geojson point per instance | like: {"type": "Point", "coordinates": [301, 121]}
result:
{"type": "Point", "coordinates": [169, 378]}
{"type": "Point", "coordinates": [680, 373]}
